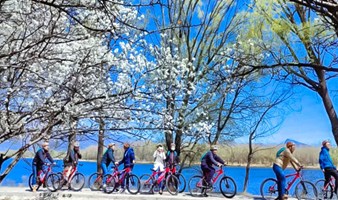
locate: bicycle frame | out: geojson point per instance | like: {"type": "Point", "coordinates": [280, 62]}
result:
{"type": "Point", "coordinates": [332, 182]}
{"type": "Point", "coordinates": [116, 173]}
{"type": "Point", "coordinates": [296, 176]}
{"type": "Point", "coordinates": [163, 175]}
{"type": "Point", "coordinates": [47, 172]}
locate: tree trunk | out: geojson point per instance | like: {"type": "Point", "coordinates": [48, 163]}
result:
{"type": "Point", "coordinates": [100, 146]}
{"type": "Point", "coordinates": [247, 173]}
{"type": "Point", "coordinates": [330, 110]}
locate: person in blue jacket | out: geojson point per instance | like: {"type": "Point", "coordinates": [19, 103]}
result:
{"type": "Point", "coordinates": [207, 161]}
{"type": "Point", "coordinates": [39, 160]}
{"type": "Point", "coordinates": [128, 159]}
{"type": "Point", "coordinates": [107, 158]}
{"type": "Point", "coordinates": [326, 164]}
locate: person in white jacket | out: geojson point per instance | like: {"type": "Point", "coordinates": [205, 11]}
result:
{"type": "Point", "coordinates": [159, 157]}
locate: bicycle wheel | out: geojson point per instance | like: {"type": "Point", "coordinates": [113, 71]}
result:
{"type": "Point", "coordinates": [324, 192]}
{"type": "Point", "coordinates": [195, 185]}
{"type": "Point", "coordinates": [77, 182]}
{"type": "Point", "coordinates": [30, 184]}
{"type": "Point", "coordinates": [95, 181]}
{"type": "Point", "coordinates": [133, 184]}
{"type": "Point", "coordinates": [110, 184]}
{"type": "Point", "coordinates": [269, 189]}
{"type": "Point", "coordinates": [305, 190]}
{"type": "Point", "coordinates": [53, 182]}
{"type": "Point", "coordinates": [181, 182]}
{"type": "Point", "coordinates": [147, 182]}
{"type": "Point", "coordinates": [228, 187]}
{"type": "Point", "coordinates": [172, 183]}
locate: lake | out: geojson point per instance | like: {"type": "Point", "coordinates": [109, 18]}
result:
{"type": "Point", "coordinates": [19, 175]}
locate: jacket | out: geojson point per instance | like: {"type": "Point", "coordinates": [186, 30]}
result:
{"type": "Point", "coordinates": [284, 157]}
{"type": "Point", "coordinates": [172, 158]}
{"type": "Point", "coordinates": [108, 157]}
{"type": "Point", "coordinates": [73, 158]}
{"type": "Point", "coordinates": [41, 156]}
{"type": "Point", "coordinates": [128, 158]}
{"type": "Point", "coordinates": [325, 160]}
{"type": "Point", "coordinates": [211, 159]}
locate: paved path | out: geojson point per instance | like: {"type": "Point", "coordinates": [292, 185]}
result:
{"type": "Point", "coordinates": [22, 193]}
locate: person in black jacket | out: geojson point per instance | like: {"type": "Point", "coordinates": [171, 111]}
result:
{"type": "Point", "coordinates": [107, 158]}
{"type": "Point", "coordinates": [39, 160]}
{"type": "Point", "coordinates": [209, 159]}
{"type": "Point", "coordinates": [71, 160]}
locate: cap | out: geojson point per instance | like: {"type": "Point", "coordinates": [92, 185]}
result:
{"type": "Point", "coordinates": [45, 144]}
{"type": "Point", "coordinates": [289, 144]}
{"type": "Point", "coordinates": [111, 144]}
{"type": "Point", "coordinates": [324, 142]}
{"type": "Point", "coordinates": [213, 147]}
{"type": "Point", "coordinates": [76, 144]}
{"type": "Point", "coordinates": [159, 145]}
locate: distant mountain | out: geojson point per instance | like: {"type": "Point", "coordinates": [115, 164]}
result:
{"type": "Point", "coordinates": [299, 144]}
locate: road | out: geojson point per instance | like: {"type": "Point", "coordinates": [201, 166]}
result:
{"type": "Point", "coordinates": [22, 193]}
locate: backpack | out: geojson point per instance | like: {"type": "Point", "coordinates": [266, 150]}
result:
{"type": "Point", "coordinates": [203, 156]}
{"type": "Point", "coordinates": [280, 151]}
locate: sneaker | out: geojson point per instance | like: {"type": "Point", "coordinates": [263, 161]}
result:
{"type": "Point", "coordinates": [205, 195]}
{"type": "Point", "coordinates": [34, 188]}
{"type": "Point", "coordinates": [285, 196]}
{"type": "Point", "coordinates": [160, 192]}
{"type": "Point", "coordinates": [122, 189]}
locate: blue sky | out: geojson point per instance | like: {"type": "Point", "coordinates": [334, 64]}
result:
{"type": "Point", "coordinates": [308, 124]}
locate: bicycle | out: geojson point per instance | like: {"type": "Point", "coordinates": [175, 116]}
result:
{"type": "Point", "coordinates": [181, 180]}
{"type": "Point", "coordinates": [197, 184]}
{"type": "Point", "coordinates": [325, 191]}
{"type": "Point", "coordinates": [42, 177]}
{"type": "Point", "coordinates": [149, 183]}
{"type": "Point", "coordinates": [95, 181]}
{"type": "Point", "coordinates": [303, 189]}
{"type": "Point", "coordinates": [75, 181]}
{"type": "Point", "coordinates": [114, 181]}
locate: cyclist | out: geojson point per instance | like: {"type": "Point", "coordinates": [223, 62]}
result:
{"type": "Point", "coordinates": [128, 160]}
{"type": "Point", "coordinates": [284, 156]}
{"type": "Point", "coordinates": [71, 160]}
{"type": "Point", "coordinates": [159, 158]}
{"type": "Point", "coordinates": [39, 160]}
{"type": "Point", "coordinates": [171, 160]}
{"type": "Point", "coordinates": [208, 159]}
{"type": "Point", "coordinates": [107, 158]}
{"type": "Point", "coordinates": [326, 164]}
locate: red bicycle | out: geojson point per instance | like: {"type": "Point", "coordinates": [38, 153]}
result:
{"type": "Point", "coordinates": [151, 183]}
{"type": "Point", "coordinates": [42, 177]}
{"type": "Point", "coordinates": [197, 184]}
{"type": "Point", "coordinates": [325, 191]}
{"type": "Point", "coordinates": [303, 190]}
{"type": "Point", "coordinates": [115, 180]}
{"type": "Point", "coordinates": [75, 181]}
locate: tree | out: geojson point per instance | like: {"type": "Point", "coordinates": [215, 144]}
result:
{"type": "Point", "coordinates": [298, 46]}
{"type": "Point", "coordinates": [326, 8]}
{"type": "Point", "coordinates": [57, 70]}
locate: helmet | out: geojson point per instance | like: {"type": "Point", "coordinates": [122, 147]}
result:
{"type": "Point", "coordinates": [76, 144]}
{"type": "Point", "coordinates": [213, 147]}
{"type": "Point", "coordinates": [289, 144]}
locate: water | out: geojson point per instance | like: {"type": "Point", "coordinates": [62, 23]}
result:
{"type": "Point", "coordinates": [20, 173]}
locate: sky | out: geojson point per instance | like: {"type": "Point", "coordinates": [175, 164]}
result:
{"type": "Point", "coordinates": [308, 124]}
